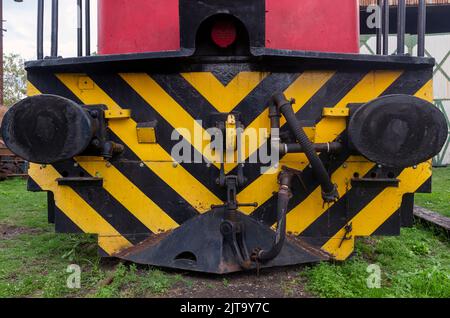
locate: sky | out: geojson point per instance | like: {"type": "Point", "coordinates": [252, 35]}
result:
{"type": "Point", "coordinates": [20, 23]}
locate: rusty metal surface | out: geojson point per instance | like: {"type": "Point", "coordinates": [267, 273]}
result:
{"type": "Point", "coordinates": [10, 164]}
{"type": "Point", "coordinates": [152, 241]}
{"type": "Point", "coordinates": [433, 218]}
{"type": "Point", "coordinates": [313, 250]}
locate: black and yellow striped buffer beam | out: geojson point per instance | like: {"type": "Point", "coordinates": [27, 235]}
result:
{"type": "Point", "coordinates": [145, 192]}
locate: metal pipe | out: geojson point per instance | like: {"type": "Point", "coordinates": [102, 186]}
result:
{"type": "Point", "coordinates": [284, 196]}
{"type": "Point", "coordinates": [80, 27]}
{"type": "Point", "coordinates": [329, 190]}
{"type": "Point", "coordinates": [386, 27]}
{"type": "Point", "coordinates": [379, 27]}
{"type": "Point", "coordinates": [40, 30]}
{"type": "Point", "coordinates": [88, 27]}
{"type": "Point", "coordinates": [54, 39]}
{"type": "Point", "coordinates": [401, 26]}
{"type": "Point", "coordinates": [421, 28]}
{"type": "Point", "coordinates": [332, 147]}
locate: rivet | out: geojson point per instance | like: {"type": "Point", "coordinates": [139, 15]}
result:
{"type": "Point", "coordinates": [76, 165]}
{"type": "Point", "coordinates": [175, 164]}
{"type": "Point", "coordinates": [380, 166]}
{"type": "Point", "coordinates": [108, 165]}
{"type": "Point", "coordinates": [415, 167]}
{"type": "Point", "coordinates": [344, 165]}
{"type": "Point", "coordinates": [208, 165]}
{"type": "Point", "coordinates": [141, 165]}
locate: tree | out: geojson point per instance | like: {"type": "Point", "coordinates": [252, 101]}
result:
{"type": "Point", "coordinates": [15, 85]}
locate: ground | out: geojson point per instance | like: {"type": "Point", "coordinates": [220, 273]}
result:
{"type": "Point", "coordinates": [439, 200]}
{"type": "Point", "coordinates": [34, 262]}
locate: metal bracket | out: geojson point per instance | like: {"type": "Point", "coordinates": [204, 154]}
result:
{"type": "Point", "coordinates": [347, 237]}
{"type": "Point", "coordinates": [232, 183]}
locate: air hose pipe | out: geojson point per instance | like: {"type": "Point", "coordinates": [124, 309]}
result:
{"type": "Point", "coordinates": [284, 195]}
{"type": "Point", "coordinates": [329, 190]}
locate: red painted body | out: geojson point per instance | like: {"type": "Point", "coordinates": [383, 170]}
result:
{"type": "Point", "coordinates": [313, 25]}
{"type": "Point", "coordinates": [153, 25]}
{"type": "Point", "coordinates": [137, 26]}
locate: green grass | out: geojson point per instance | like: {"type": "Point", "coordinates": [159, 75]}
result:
{"type": "Point", "coordinates": [19, 207]}
{"type": "Point", "coordinates": [439, 200]}
{"type": "Point", "coordinates": [34, 262]}
{"type": "Point", "coordinates": [128, 281]}
{"type": "Point", "coordinates": [416, 264]}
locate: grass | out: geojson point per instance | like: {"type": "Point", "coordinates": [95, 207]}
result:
{"type": "Point", "coordinates": [22, 208]}
{"type": "Point", "coordinates": [34, 261]}
{"type": "Point", "coordinates": [439, 200]}
{"type": "Point", "coordinates": [416, 264]}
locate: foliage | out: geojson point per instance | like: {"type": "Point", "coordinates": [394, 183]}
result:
{"type": "Point", "coordinates": [14, 79]}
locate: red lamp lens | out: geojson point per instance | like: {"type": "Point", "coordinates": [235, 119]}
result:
{"type": "Point", "coordinates": [224, 33]}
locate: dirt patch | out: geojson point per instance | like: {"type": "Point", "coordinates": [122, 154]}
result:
{"type": "Point", "coordinates": [9, 232]}
{"type": "Point", "coordinates": [271, 283]}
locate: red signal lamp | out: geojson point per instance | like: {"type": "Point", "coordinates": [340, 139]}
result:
{"type": "Point", "coordinates": [224, 33]}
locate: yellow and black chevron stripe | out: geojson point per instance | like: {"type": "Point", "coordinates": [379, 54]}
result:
{"type": "Point", "coordinates": [146, 192]}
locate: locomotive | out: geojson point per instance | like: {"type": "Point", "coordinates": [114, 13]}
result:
{"type": "Point", "coordinates": [221, 136]}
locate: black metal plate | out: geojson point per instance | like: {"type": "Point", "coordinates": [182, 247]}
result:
{"type": "Point", "coordinates": [207, 250]}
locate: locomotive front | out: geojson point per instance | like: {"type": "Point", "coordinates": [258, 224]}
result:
{"type": "Point", "coordinates": [221, 136]}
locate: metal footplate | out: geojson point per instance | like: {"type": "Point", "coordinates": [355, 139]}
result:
{"type": "Point", "coordinates": [208, 250]}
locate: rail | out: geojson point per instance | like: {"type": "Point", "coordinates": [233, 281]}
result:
{"type": "Point", "coordinates": [383, 30]}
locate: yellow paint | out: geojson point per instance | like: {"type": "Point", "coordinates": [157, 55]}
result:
{"type": "Point", "coordinates": [146, 135]}
{"type": "Point", "coordinates": [302, 90]}
{"type": "Point", "coordinates": [224, 98]}
{"type": "Point", "coordinates": [175, 114]}
{"type": "Point", "coordinates": [336, 112]}
{"type": "Point", "coordinates": [32, 90]}
{"type": "Point", "coordinates": [176, 177]}
{"type": "Point", "coordinates": [304, 214]}
{"type": "Point", "coordinates": [77, 210]}
{"type": "Point", "coordinates": [130, 196]}
{"type": "Point", "coordinates": [84, 82]}
{"type": "Point", "coordinates": [369, 219]}
{"type": "Point", "coordinates": [118, 114]}
{"type": "Point", "coordinates": [426, 92]}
